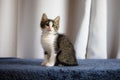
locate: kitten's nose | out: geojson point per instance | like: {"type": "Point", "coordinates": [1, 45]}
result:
{"type": "Point", "coordinates": [48, 28]}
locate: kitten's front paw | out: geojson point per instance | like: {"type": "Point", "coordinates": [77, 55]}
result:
{"type": "Point", "coordinates": [43, 64]}
{"type": "Point", "coordinates": [50, 65]}
{"type": "Point", "coordinates": [46, 64]}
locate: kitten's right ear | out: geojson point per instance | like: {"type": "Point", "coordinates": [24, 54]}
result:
{"type": "Point", "coordinates": [44, 17]}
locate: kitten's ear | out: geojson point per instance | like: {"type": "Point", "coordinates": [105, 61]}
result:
{"type": "Point", "coordinates": [57, 19]}
{"type": "Point", "coordinates": [44, 17]}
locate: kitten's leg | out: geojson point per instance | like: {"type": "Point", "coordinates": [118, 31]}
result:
{"type": "Point", "coordinates": [46, 59]}
{"type": "Point", "coordinates": [52, 59]}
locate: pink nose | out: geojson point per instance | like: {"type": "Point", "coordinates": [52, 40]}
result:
{"type": "Point", "coordinates": [48, 28]}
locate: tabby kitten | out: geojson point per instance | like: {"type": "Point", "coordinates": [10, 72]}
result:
{"type": "Point", "coordinates": [58, 50]}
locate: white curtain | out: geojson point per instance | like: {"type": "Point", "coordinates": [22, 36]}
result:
{"type": "Point", "coordinates": [91, 25]}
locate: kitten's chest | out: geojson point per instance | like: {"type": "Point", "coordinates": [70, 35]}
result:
{"type": "Point", "coordinates": [48, 41]}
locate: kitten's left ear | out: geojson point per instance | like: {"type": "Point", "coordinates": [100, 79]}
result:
{"type": "Point", "coordinates": [57, 19]}
{"type": "Point", "coordinates": [44, 17]}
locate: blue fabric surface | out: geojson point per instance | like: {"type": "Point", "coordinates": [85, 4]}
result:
{"type": "Point", "coordinates": [30, 69]}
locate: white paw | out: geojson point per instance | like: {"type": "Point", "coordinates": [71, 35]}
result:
{"type": "Point", "coordinates": [48, 64]}
{"type": "Point", "coordinates": [43, 64]}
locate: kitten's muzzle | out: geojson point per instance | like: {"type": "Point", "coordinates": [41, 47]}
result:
{"type": "Point", "coordinates": [48, 28]}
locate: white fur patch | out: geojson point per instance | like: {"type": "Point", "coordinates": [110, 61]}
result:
{"type": "Point", "coordinates": [48, 40]}
{"type": "Point", "coordinates": [50, 23]}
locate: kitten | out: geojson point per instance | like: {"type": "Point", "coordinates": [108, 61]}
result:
{"type": "Point", "coordinates": [58, 50]}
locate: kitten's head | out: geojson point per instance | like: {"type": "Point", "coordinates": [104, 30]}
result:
{"type": "Point", "coordinates": [49, 25]}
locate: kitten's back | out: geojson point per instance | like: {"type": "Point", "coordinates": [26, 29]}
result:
{"type": "Point", "coordinates": [66, 53]}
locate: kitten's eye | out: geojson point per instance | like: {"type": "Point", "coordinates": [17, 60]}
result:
{"type": "Point", "coordinates": [47, 24]}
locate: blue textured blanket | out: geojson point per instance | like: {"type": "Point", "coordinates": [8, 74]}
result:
{"type": "Point", "coordinates": [30, 69]}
